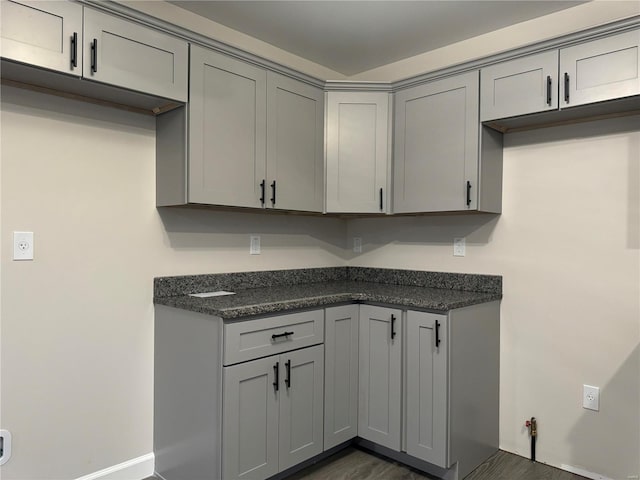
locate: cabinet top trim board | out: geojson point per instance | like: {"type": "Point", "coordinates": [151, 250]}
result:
{"type": "Point", "coordinates": [196, 38]}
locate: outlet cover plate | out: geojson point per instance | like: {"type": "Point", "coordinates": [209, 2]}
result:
{"type": "Point", "coordinates": [591, 397]}
{"type": "Point", "coordinates": [459, 247]}
{"type": "Point", "coordinates": [23, 245]}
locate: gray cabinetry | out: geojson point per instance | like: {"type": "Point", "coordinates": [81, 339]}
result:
{"type": "Point", "coordinates": [379, 409]}
{"type": "Point", "coordinates": [69, 38]}
{"type": "Point", "coordinates": [125, 54]}
{"type": "Point", "coordinates": [599, 70]}
{"type": "Point", "coordinates": [358, 152]}
{"type": "Point", "coordinates": [441, 162]}
{"type": "Point", "coordinates": [341, 375]}
{"type": "Point", "coordinates": [426, 388]}
{"type": "Point", "coordinates": [247, 138]}
{"type": "Point", "coordinates": [519, 87]}
{"type": "Point", "coordinates": [44, 34]}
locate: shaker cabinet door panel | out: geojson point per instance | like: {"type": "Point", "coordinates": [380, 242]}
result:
{"type": "Point", "coordinates": [427, 387]}
{"type": "Point", "coordinates": [519, 87]}
{"type": "Point", "coordinates": [250, 420]}
{"type": "Point", "coordinates": [600, 70]}
{"type": "Point", "coordinates": [42, 33]}
{"type": "Point", "coordinates": [227, 130]}
{"type": "Point", "coordinates": [380, 396]}
{"type": "Point", "coordinates": [341, 375]}
{"type": "Point", "coordinates": [121, 53]}
{"type": "Point", "coordinates": [357, 152]}
{"type": "Point", "coordinates": [436, 146]}
{"type": "Point", "coordinates": [295, 136]}
{"type": "Point", "coordinates": [301, 405]}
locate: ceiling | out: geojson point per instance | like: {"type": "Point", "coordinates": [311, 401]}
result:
{"type": "Point", "coordinates": [350, 37]}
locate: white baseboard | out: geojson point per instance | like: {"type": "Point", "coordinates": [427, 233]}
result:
{"type": "Point", "coordinates": [584, 473]}
{"type": "Point", "coordinates": [134, 469]}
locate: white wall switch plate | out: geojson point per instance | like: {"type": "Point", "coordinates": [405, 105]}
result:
{"type": "Point", "coordinates": [591, 397]}
{"type": "Point", "coordinates": [459, 247]}
{"type": "Point", "coordinates": [254, 245]}
{"type": "Point", "coordinates": [357, 245]}
{"type": "Point", "coordinates": [23, 245]}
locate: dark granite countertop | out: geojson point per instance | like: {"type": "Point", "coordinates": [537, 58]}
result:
{"type": "Point", "coordinates": [415, 291]}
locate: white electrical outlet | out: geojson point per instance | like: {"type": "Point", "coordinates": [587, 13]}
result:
{"type": "Point", "coordinates": [254, 244]}
{"type": "Point", "coordinates": [459, 247]}
{"type": "Point", "coordinates": [23, 245]}
{"type": "Point", "coordinates": [591, 397]}
{"type": "Point", "coordinates": [357, 245]}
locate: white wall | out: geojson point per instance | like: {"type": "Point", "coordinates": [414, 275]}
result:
{"type": "Point", "coordinates": [77, 322]}
{"type": "Point", "coordinates": [568, 247]}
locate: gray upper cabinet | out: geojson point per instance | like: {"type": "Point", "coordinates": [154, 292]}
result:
{"type": "Point", "coordinates": [295, 137]}
{"type": "Point", "coordinates": [226, 129]}
{"type": "Point", "coordinates": [125, 54]}
{"type": "Point", "coordinates": [519, 87]}
{"type": "Point", "coordinates": [358, 152]}
{"type": "Point", "coordinates": [44, 34]}
{"type": "Point", "coordinates": [441, 162]}
{"type": "Point", "coordinates": [603, 69]}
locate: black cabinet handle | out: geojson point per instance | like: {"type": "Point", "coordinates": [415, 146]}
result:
{"type": "Point", "coordinates": [273, 192]}
{"type": "Point", "coordinates": [74, 50]}
{"type": "Point", "coordinates": [94, 55]}
{"type": "Point", "coordinates": [287, 381]}
{"type": "Point", "coordinates": [437, 333]}
{"type": "Point", "coordinates": [276, 369]}
{"type": "Point", "coordinates": [393, 326]}
{"type": "Point", "coordinates": [263, 184]}
{"type": "Point", "coordinates": [549, 82]}
{"type": "Point", "coordinates": [278, 335]}
{"type": "Point", "coordinates": [381, 204]}
{"type": "Point", "coordinates": [468, 193]}
{"type": "Point", "coordinates": [566, 87]}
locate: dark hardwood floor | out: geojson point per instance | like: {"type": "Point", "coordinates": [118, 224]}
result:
{"type": "Point", "coordinates": [355, 464]}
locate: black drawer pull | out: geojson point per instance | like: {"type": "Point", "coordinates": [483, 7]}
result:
{"type": "Point", "coordinates": [94, 55]}
{"type": "Point", "coordinates": [468, 193]}
{"type": "Point", "coordinates": [278, 335]}
{"type": "Point", "coordinates": [549, 84]}
{"type": "Point", "coordinates": [566, 87]}
{"type": "Point", "coordinates": [437, 333]}
{"type": "Point", "coordinates": [74, 50]}
{"type": "Point", "coordinates": [287, 381]}
{"type": "Point", "coordinates": [262, 187]}
{"type": "Point", "coordinates": [273, 192]}
{"type": "Point", "coordinates": [276, 369]}
{"type": "Point", "coordinates": [393, 326]}
{"type": "Point", "coordinates": [381, 205]}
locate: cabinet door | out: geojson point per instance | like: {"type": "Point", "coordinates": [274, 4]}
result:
{"type": "Point", "coordinates": [357, 152]}
{"type": "Point", "coordinates": [227, 130]}
{"type": "Point", "coordinates": [301, 405]}
{"type": "Point", "coordinates": [379, 405]}
{"type": "Point", "coordinates": [599, 70]}
{"type": "Point", "coordinates": [341, 375]}
{"type": "Point", "coordinates": [250, 420]}
{"type": "Point", "coordinates": [295, 141]}
{"type": "Point", "coordinates": [426, 387]}
{"type": "Point", "coordinates": [518, 87]}
{"type": "Point", "coordinates": [125, 54]}
{"type": "Point", "coordinates": [42, 33]}
{"type": "Point", "coordinates": [436, 146]}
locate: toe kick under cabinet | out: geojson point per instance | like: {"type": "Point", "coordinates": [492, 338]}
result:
{"type": "Point", "coordinates": [250, 399]}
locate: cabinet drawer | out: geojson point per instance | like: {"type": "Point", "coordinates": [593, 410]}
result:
{"type": "Point", "coordinates": [266, 336]}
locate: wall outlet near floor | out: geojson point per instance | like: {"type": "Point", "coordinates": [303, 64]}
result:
{"type": "Point", "coordinates": [357, 245]}
{"type": "Point", "coordinates": [23, 245]}
{"type": "Point", "coordinates": [459, 247]}
{"type": "Point", "coordinates": [591, 397]}
{"type": "Point", "coordinates": [254, 244]}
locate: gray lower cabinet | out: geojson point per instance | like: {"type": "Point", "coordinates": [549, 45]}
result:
{"type": "Point", "coordinates": [272, 413]}
{"type": "Point", "coordinates": [443, 159]}
{"type": "Point", "coordinates": [69, 38]}
{"type": "Point", "coordinates": [247, 138]}
{"type": "Point", "coordinates": [341, 375]}
{"type": "Point", "coordinates": [380, 398]}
